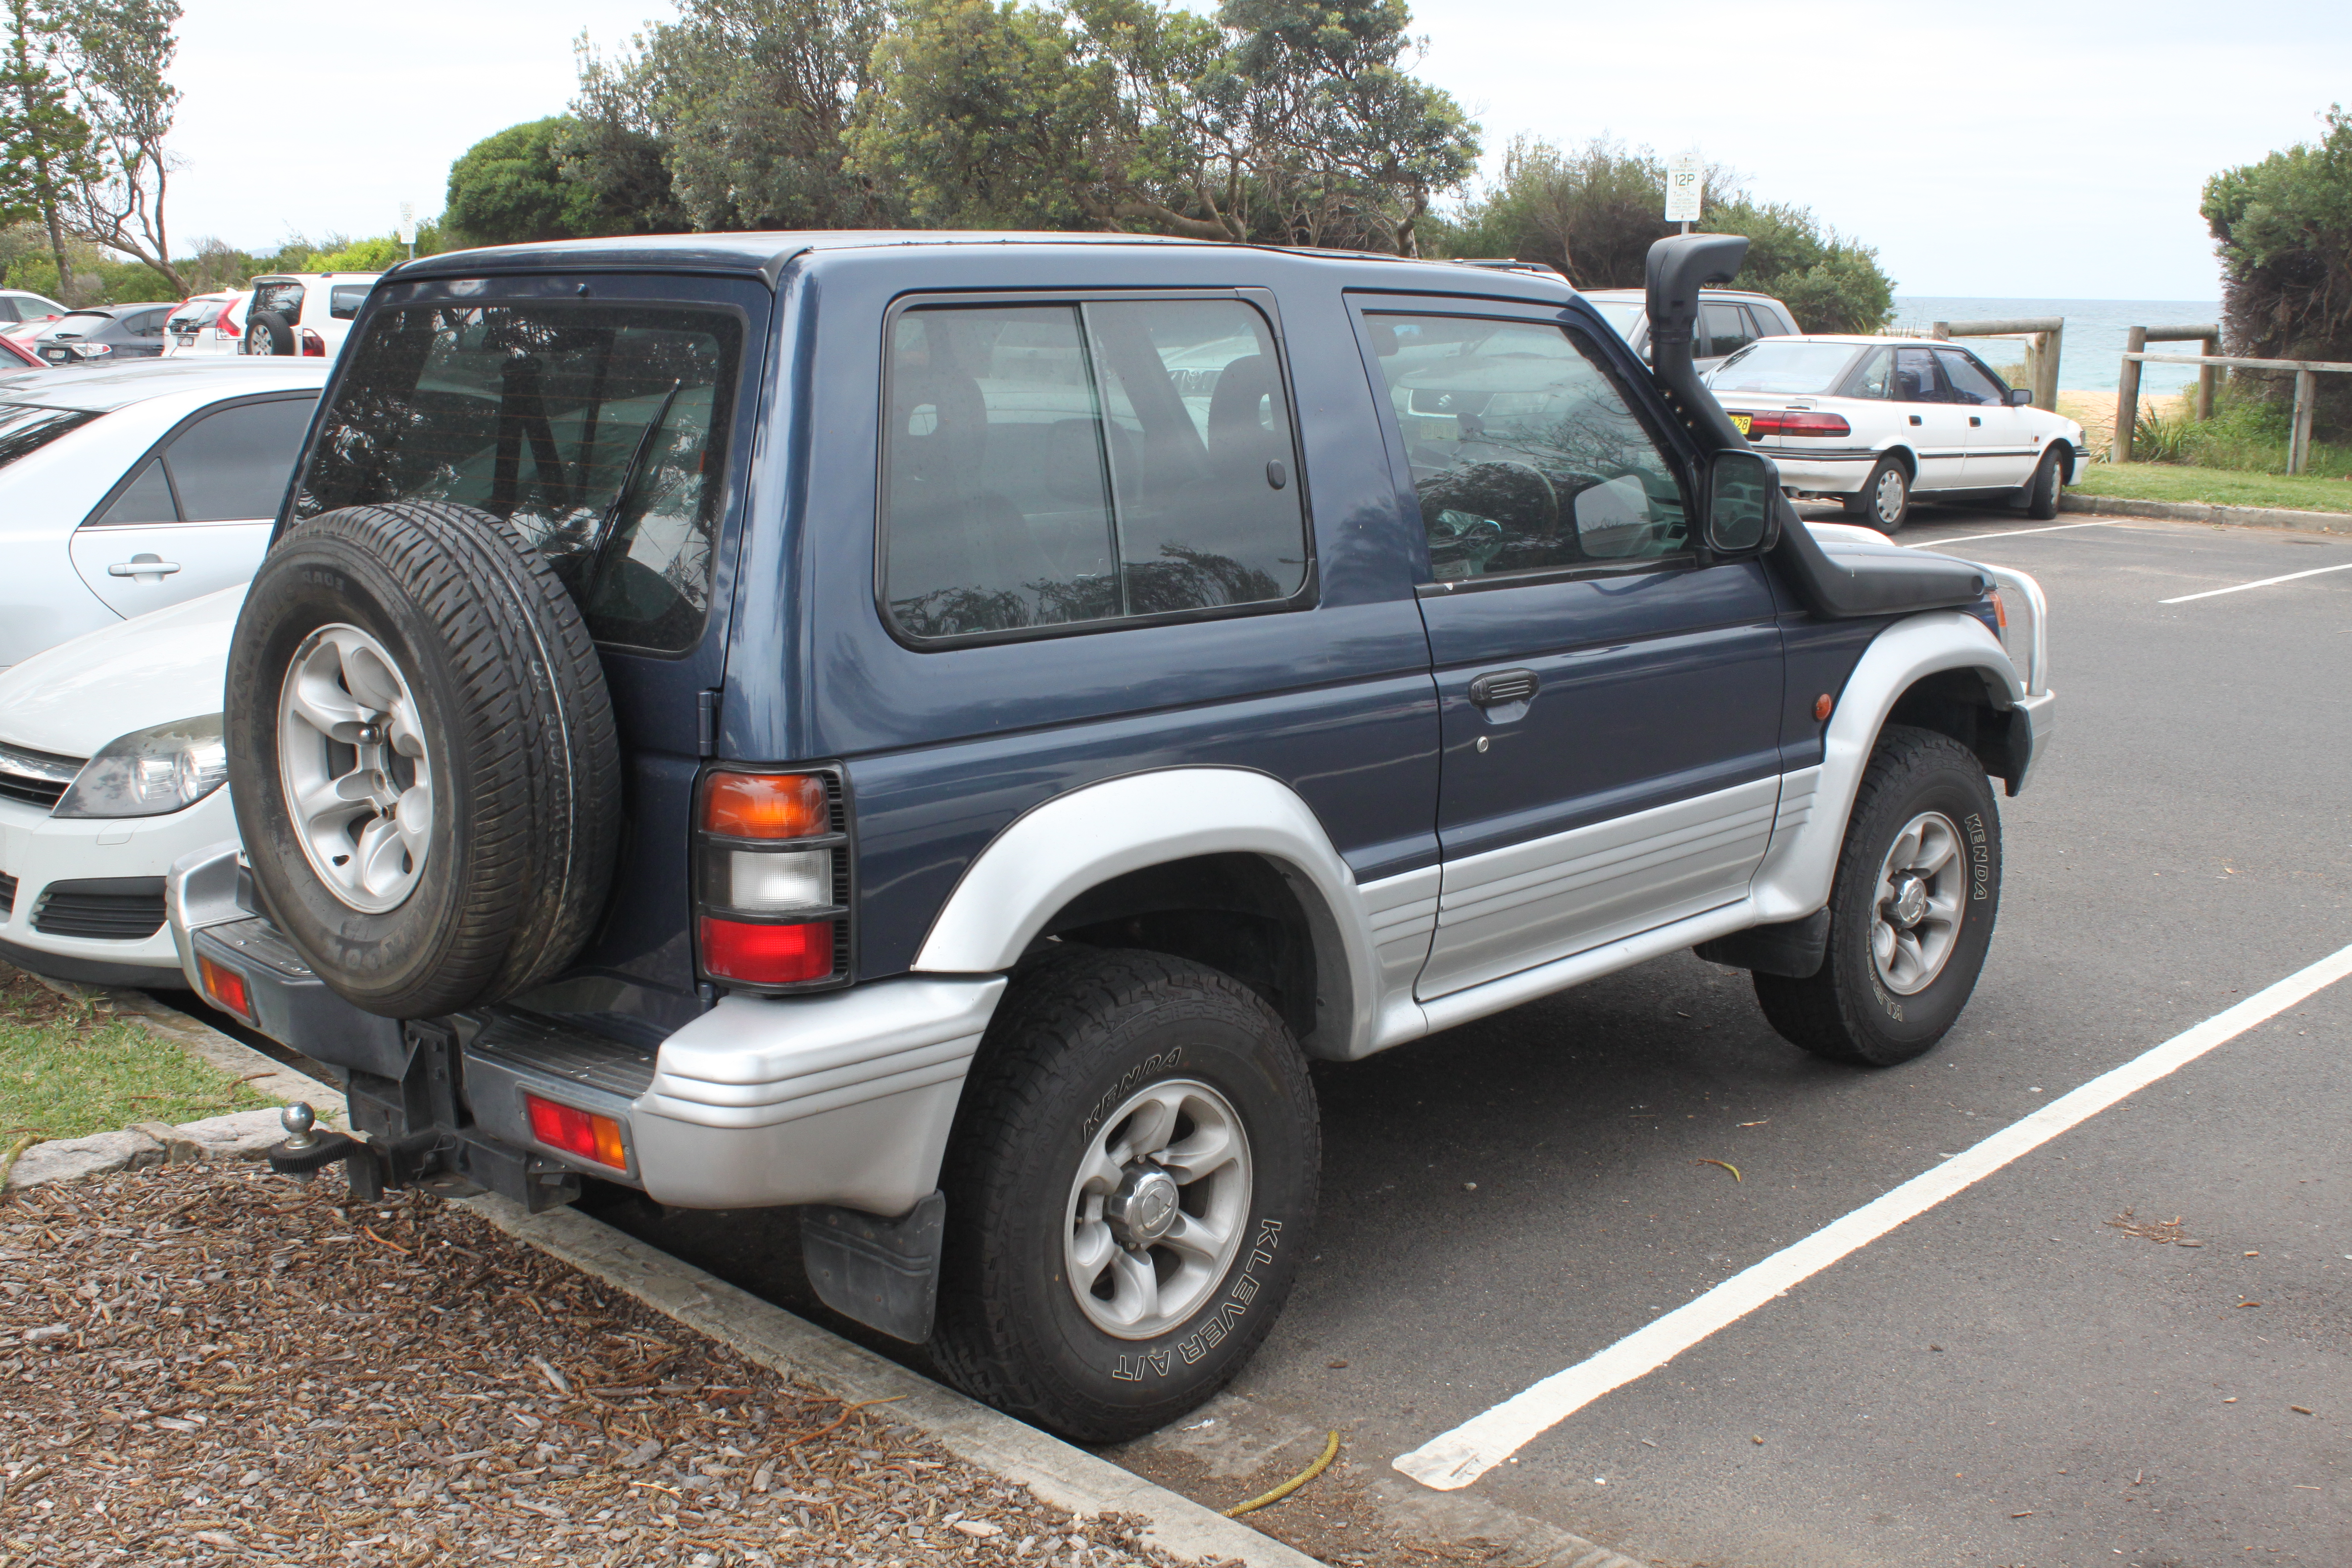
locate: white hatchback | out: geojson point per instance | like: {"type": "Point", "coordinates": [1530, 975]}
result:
{"type": "Point", "coordinates": [209, 324]}
{"type": "Point", "coordinates": [131, 487]}
{"type": "Point", "coordinates": [1872, 422]}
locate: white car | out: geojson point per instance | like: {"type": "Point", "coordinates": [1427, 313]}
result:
{"type": "Point", "coordinates": [23, 314]}
{"type": "Point", "coordinates": [110, 768]}
{"type": "Point", "coordinates": [304, 312]}
{"type": "Point", "coordinates": [209, 324]}
{"type": "Point", "coordinates": [1728, 320]}
{"type": "Point", "coordinates": [1872, 422]}
{"type": "Point", "coordinates": [127, 489]}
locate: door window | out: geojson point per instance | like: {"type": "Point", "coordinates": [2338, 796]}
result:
{"type": "Point", "coordinates": [1726, 330]}
{"type": "Point", "coordinates": [146, 499]}
{"type": "Point", "coordinates": [1915, 377]}
{"type": "Point", "coordinates": [1873, 376]}
{"type": "Point", "coordinates": [1762, 322]}
{"type": "Point", "coordinates": [1058, 465]}
{"type": "Point", "coordinates": [1527, 457]}
{"type": "Point", "coordinates": [8, 310]}
{"type": "Point", "coordinates": [343, 299]}
{"type": "Point", "coordinates": [1969, 381]}
{"type": "Point", "coordinates": [232, 466]}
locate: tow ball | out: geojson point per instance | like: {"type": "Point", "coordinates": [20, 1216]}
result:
{"type": "Point", "coordinates": [305, 1150]}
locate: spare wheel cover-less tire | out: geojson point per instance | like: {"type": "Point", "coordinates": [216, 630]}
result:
{"type": "Point", "coordinates": [416, 660]}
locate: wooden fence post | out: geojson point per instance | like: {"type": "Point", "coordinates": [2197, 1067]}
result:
{"type": "Point", "coordinates": [1940, 329]}
{"type": "Point", "coordinates": [2208, 377]}
{"type": "Point", "coordinates": [2127, 397]}
{"type": "Point", "coordinates": [2047, 345]}
{"type": "Point", "coordinates": [2298, 444]}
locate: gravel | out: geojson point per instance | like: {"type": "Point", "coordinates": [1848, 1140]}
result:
{"type": "Point", "coordinates": [206, 1363]}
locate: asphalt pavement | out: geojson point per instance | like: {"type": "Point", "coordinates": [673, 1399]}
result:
{"type": "Point", "coordinates": [2131, 1346]}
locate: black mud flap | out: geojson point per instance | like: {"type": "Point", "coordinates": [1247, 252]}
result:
{"type": "Point", "coordinates": [1794, 948]}
{"type": "Point", "coordinates": [885, 1273]}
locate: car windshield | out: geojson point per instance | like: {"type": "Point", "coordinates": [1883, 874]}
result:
{"type": "Point", "coordinates": [1622, 314]}
{"type": "Point", "coordinates": [26, 428]}
{"type": "Point", "coordinates": [1782, 367]}
{"type": "Point", "coordinates": [533, 414]}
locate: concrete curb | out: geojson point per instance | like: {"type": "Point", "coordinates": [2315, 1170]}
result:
{"type": "Point", "coordinates": [2198, 511]}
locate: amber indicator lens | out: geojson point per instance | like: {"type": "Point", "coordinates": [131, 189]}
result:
{"type": "Point", "coordinates": [766, 805]}
{"type": "Point", "coordinates": [576, 1131]}
{"type": "Point", "coordinates": [2000, 610]}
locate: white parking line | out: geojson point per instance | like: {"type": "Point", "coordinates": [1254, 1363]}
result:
{"type": "Point", "coordinates": [2242, 588]}
{"type": "Point", "coordinates": [1456, 1458]}
{"type": "Point", "coordinates": [2006, 533]}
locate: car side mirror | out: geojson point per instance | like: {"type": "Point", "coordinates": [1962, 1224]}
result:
{"type": "Point", "coordinates": [1740, 489]}
{"type": "Point", "coordinates": [2021, 397]}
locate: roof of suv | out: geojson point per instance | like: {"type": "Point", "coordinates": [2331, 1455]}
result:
{"type": "Point", "coordinates": [1640, 296]}
{"type": "Point", "coordinates": [119, 386]}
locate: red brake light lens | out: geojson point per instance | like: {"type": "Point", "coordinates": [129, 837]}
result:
{"type": "Point", "coordinates": [313, 345]}
{"type": "Point", "coordinates": [1796, 422]}
{"type": "Point", "coordinates": [226, 989]}
{"type": "Point", "coordinates": [767, 954]}
{"type": "Point", "coordinates": [577, 1131]}
{"type": "Point", "coordinates": [766, 805]}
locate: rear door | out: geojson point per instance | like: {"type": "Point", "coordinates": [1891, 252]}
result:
{"type": "Point", "coordinates": [1609, 700]}
{"type": "Point", "coordinates": [194, 514]}
{"type": "Point", "coordinates": [1935, 428]}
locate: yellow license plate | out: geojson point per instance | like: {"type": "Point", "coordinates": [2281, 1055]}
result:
{"type": "Point", "coordinates": [1740, 421]}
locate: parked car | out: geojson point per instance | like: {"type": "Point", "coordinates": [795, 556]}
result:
{"type": "Point", "coordinates": [14, 355]}
{"type": "Point", "coordinates": [1872, 422]}
{"type": "Point", "coordinates": [209, 324]}
{"type": "Point", "coordinates": [137, 485]}
{"type": "Point", "coordinates": [304, 312]}
{"type": "Point", "coordinates": [111, 769]}
{"type": "Point", "coordinates": [103, 334]}
{"type": "Point", "coordinates": [1038, 742]}
{"type": "Point", "coordinates": [23, 314]}
{"type": "Point", "coordinates": [1728, 320]}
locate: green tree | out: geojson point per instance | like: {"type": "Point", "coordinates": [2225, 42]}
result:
{"type": "Point", "coordinates": [115, 54]}
{"type": "Point", "coordinates": [43, 145]}
{"type": "Point", "coordinates": [508, 188]}
{"type": "Point", "coordinates": [2282, 229]}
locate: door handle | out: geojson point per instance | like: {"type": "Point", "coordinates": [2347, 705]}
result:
{"type": "Point", "coordinates": [1975, 421]}
{"type": "Point", "coordinates": [1497, 687]}
{"type": "Point", "coordinates": [1914, 419]}
{"type": "Point", "coordinates": [143, 565]}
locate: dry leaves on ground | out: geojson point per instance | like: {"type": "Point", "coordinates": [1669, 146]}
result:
{"type": "Point", "coordinates": [211, 1365]}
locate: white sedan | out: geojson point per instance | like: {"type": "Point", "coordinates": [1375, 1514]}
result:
{"type": "Point", "coordinates": [111, 767]}
{"type": "Point", "coordinates": [128, 488]}
{"type": "Point", "coordinates": [1872, 423]}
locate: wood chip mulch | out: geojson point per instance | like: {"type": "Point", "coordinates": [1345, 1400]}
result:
{"type": "Point", "coordinates": [201, 1365]}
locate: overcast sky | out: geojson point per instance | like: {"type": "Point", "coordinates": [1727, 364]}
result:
{"type": "Point", "coordinates": [2005, 149]}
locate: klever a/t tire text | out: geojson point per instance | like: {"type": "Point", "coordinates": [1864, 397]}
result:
{"type": "Point", "coordinates": [422, 755]}
{"type": "Point", "coordinates": [1129, 1192]}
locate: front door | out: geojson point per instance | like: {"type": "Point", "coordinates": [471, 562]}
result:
{"type": "Point", "coordinates": [1609, 703]}
{"type": "Point", "coordinates": [1936, 426]}
{"type": "Point", "coordinates": [2002, 451]}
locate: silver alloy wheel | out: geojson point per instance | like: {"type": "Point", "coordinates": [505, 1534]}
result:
{"type": "Point", "coordinates": [1915, 911]}
{"type": "Point", "coordinates": [352, 759]}
{"type": "Point", "coordinates": [1160, 1205]}
{"type": "Point", "coordinates": [1886, 501]}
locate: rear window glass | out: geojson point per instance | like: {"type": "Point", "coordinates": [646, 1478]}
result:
{"type": "Point", "coordinates": [25, 428]}
{"type": "Point", "coordinates": [535, 413]}
{"type": "Point", "coordinates": [1776, 365]}
{"type": "Point", "coordinates": [285, 299]}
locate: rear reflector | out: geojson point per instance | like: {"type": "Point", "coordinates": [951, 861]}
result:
{"type": "Point", "coordinates": [767, 954]}
{"type": "Point", "coordinates": [766, 805]}
{"type": "Point", "coordinates": [224, 989]}
{"type": "Point", "coordinates": [1794, 422]}
{"type": "Point", "coordinates": [576, 1131]}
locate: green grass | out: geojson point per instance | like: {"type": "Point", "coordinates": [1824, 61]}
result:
{"type": "Point", "coordinates": [68, 1069]}
{"type": "Point", "coordinates": [2215, 487]}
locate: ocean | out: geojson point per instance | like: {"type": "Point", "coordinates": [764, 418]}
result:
{"type": "Point", "coordinates": [2095, 334]}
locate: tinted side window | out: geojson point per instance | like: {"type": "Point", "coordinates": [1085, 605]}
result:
{"type": "Point", "coordinates": [232, 466]}
{"type": "Point", "coordinates": [1762, 322]}
{"type": "Point", "coordinates": [1725, 329]}
{"type": "Point", "coordinates": [344, 298]}
{"type": "Point", "coordinates": [1969, 381]}
{"type": "Point", "coordinates": [1915, 377]}
{"type": "Point", "coordinates": [1527, 458]}
{"type": "Point", "coordinates": [1053, 465]}
{"type": "Point", "coordinates": [8, 310]}
{"type": "Point", "coordinates": [147, 499]}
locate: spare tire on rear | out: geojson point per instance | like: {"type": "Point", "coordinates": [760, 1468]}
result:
{"type": "Point", "coordinates": [422, 756]}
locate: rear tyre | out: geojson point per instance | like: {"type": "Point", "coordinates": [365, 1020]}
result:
{"type": "Point", "coordinates": [1884, 502]}
{"type": "Point", "coordinates": [422, 757]}
{"type": "Point", "coordinates": [2042, 493]}
{"type": "Point", "coordinates": [269, 334]}
{"type": "Point", "coordinates": [1911, 911]}
{"type": "Point", "coordinates": [1129, 1190]}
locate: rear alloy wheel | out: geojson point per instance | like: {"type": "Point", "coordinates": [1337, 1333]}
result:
{"type": "Point", "coordinates": [1884, 499]}
{"type": "Point", "coordinates": [2042, 493]}
{"type": "Point", "coordinates": [1130, 1189]}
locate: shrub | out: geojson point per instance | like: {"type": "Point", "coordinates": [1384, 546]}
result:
{"type": "Point", "coordinates": [2282, 228]}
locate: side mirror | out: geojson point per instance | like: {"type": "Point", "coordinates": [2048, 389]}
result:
{"type": "Point", "coordinates": [2021, 397]}
{"type": "Point", "coordinates": [1740, 489]}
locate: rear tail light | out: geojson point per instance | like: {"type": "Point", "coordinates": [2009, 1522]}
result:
{"type": "Point", "coordinates": [225, 988]}
{"type": "Point", "coordinates": [771, 879]}
{"type": "Point", "coordinates": [313, 345]}
{"type": "Point", "coordinates": [1794, 422]}
{"type": "Point", "coordinates": [575, 1131]}
{"type": "Point", "coordinates": [222, 324]}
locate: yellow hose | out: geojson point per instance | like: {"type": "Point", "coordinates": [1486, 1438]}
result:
{"type": "Point", "coordinates": [1330, 1452]}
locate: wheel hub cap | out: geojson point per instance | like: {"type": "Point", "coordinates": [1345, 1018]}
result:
{"type": "Point", "coordinates": [1159, 1206]}
{"type": "Point", "coordinates": [1909, 902]}
{"type": "Point", "coordinates": [1916, 915]}
{"type": "Point", "coordinates": [357, 776]}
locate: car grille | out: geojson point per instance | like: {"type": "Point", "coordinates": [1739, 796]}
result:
{"type": "Point", "coordinates": [36, 778]}
{"type": "Point", "coordinates": [110, 908]}
{"type": "Point", "coordinates": [7, 895]}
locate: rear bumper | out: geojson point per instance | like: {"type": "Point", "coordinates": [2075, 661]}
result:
{"type": "Point", "coordinates": [1819, 473]}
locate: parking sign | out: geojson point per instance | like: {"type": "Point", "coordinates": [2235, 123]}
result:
{"type": "Point", "coordinates": [1683, 180]}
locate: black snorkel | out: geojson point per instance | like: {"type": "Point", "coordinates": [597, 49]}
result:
{"type": "Point", "coordinates": [1844, 589]}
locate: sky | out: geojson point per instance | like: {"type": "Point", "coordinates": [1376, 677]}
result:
{"type": "Point", "coordinates": [2001, 150]}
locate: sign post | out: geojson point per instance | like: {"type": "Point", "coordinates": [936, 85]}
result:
{"type": "Point", "coordinates": [408, 228]}
{"type": "Point", "coordinates": [1686, 181]}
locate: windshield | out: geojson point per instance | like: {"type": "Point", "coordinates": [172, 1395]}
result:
{"type": "Point", "coordinates": [533, 414]}
{"type": "Point", "coordinates": [25, 428]}
{"type": "Point", "coordinates": [1622, 314]}
{"type": "Point", "coordinates": [1780, 367]}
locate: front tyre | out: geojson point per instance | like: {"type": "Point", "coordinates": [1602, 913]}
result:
{"type": "Point", "coordinates": [1911, 911]}
{"type": "Point", "coordinates": [1130, 1187]}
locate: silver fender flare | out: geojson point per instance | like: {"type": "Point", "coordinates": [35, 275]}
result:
{"type": "Point", "coordinates": [1079, 840]}
{"type": "Point", "coordinates": [1794, 880]}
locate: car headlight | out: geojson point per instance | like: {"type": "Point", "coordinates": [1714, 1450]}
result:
{"type": "Point", "coordinates": [150, 771]}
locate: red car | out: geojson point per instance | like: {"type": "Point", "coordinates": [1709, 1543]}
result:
{"type": "Point", "coordinates": [14, 355]}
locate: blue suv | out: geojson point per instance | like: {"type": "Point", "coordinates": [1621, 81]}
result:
{"type": "Point", "coordinates": [940, 730]}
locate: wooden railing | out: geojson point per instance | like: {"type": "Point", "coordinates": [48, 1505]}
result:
{"type": "Point", "coordinates": [2307, 373]}
{"type": "Point", "coordinates": [2127, 380]}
